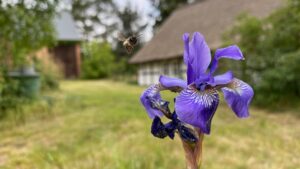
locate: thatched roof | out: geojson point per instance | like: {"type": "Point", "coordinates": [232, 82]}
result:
{"type": "Point", "coordinates": [210, 17]}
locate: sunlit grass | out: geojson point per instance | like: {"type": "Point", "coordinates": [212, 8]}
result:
{"type": "Point", "coordinates": [101, 125]}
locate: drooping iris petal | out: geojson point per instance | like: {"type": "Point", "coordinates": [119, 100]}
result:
{"type": "Point", "coordinates": [158, 128]}
{"type": "Point", "coordinates": [170, 128]}
{"type": "Point", "coordinates": [161, 105]}
{"type": "Point", "coordinates": [230, 52]}
{"type": "Point", "coordinates": [199, 56]}
{"type": "Point", "coordinates": [173, 84]}
{"type": "Point", "coordinates": [222, 79]}
{"type": "Point", "coordinates": [196, 107]}
{"type": "Point", "coordinates": [238, 96]}
{"type": "Point", "coordinates": [149, 95]}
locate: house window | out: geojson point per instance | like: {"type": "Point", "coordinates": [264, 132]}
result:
{"type": "Point", "coordinates": [166, 69]}
{"type": "Point", "coordinates": [144, 71]}
{"type": "Point", "coordinates": [176, 69]}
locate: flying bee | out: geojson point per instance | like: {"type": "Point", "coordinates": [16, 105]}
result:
{"type": "Point", "coordinates": [129, 42]}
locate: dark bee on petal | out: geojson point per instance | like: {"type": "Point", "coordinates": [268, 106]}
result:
{"type": "Point", "coordinates": [129, 42]}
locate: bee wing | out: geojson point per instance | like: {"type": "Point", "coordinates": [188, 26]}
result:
{"type": "Point", "coordinates": [121, 37]}
{"type": "Point", "coordinates": [139, 35]}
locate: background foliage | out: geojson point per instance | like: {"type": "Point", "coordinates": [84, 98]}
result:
{"type": "Point", "coordinates": [166, 7]}
{"type": "Point", "coordinates": [98, 60]}
{"type": "Point", "coordinates": [272, 53]}
{"type": "Point", "coordinates": [25, 28]}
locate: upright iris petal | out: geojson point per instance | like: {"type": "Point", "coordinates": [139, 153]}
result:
{"type": "Point", "coordinates": [230, 52]}
{"type": "Point", "coordinates": [238, 96]}
{"type": "Point", "coordinates": [186, 40]}
{"type": "Point", "coordinates": [147, 98]}
{"type": "Point", "coordinates": [187, 59]}
{"type": "Point", "coordinates": [200, 53]}
{"type": "Point", "coordinates": [196, 107]}
{"type": "Point", "coordinates": [197, 55]}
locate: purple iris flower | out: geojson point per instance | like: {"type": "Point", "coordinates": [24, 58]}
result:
{"type": "Point", "coordinates": [198, 97]}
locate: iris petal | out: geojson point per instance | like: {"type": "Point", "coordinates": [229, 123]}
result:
{"type": "Point", "coordinates": [185, 39]}
{"type": "Point", "coordinates": [238, 96]}
{"type": "Point", "coordinates": [230, 52]}
{"type": "Point", "coordinates": [150, 94]}
{"type": "Point", "coordinates": [197, 107]}
{"type": "Point", "coordinates": [170, 129]}
{"type": "Point", "coordinates": [158, 128]}
{"type": "Point", "coordinates": [200, 55]}
{"type": "Point", "coordinates": [187, 59]}
{"type": "Point", "coordinates": [173, 84]}
{"type": "Point", "coordinates": [222, 79]}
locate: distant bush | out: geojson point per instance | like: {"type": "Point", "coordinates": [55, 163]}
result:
{"type": "Point", "coordinates": [98, 60]}
{"type": "Point", "coordinates": [281, 83]}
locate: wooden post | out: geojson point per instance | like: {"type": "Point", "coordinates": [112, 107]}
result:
{"type": "Point", "coordinates": [77, 59]}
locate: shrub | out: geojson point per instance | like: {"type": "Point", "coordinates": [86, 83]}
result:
{"type": "Point", "coordinates": [280, 84]}
{"type": "Point", "coordinates": [98, 60]}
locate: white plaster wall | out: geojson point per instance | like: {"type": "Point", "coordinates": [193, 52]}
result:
{"type": "Point", "coordinates": [149, 73]}
{"type": "Point", "coordinates": [141, 77]}
{"type": "Point", "coordinates": [156, 73]}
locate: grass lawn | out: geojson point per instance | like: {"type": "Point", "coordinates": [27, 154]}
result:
{"type": "Point", "coordinates": [101, 125]}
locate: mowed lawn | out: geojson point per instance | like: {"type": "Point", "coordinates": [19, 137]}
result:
{"type": "Point", "coordinates": [101, 125]}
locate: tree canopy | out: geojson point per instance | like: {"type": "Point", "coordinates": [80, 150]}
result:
{"type": "Point", "coordinates": [25, 27]}
{"type": "Point", "coordinates": [166, 7]}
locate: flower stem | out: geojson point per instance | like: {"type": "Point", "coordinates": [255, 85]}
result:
{"type": "Point", "coordinates": [193, 152]}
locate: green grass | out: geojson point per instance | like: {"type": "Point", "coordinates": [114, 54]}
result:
{"type": "Point", "coordinates": [101, 125]}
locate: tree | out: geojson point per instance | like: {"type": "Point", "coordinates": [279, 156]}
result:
{"type": "Point", "coordinates": [272, 50]}
{"type": "Point", "coordinates": [98, 61]}
{"type": "Point", "coordinates": [24, 29]}
{"type": "Point", "coordinates": [166, 7]}
{"type": "Point", "coordinates": [93, 14]}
